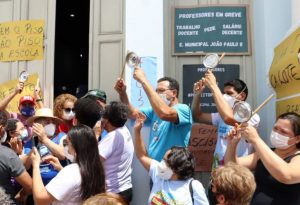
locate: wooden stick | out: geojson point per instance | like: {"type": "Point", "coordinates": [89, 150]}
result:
{"type": "Point", "coordinates": [122, 72]}
{"type": "Point", "coordinates": [222, 56]}
{"type": "Point", "coordinates": [262, 104]}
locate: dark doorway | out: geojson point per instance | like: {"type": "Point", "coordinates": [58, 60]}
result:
{"type": "Point", "coordinates": [71, 47]}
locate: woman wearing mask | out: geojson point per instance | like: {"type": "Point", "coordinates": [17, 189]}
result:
{"type": "Point", "coordinates": [172, 177]}
{"type": "Point", "coordinates": [16, 133]}
{"type": "Point", "coordinates": [44, 139]}
{"type": "Point", "coordinates": [277, 171]}
{"type": "Point", "coordinates": [64, 109]}
{"type": "Point", "coordinates": [78, 181]}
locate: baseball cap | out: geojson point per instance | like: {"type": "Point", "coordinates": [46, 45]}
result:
{"type": "Point", "coordinates": [26, 98]}
{"type": "Point", "coordinates": [100, 94]}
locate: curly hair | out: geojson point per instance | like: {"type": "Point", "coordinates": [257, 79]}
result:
{"type": "Point", "coordinates": [181, 161]}
{"type": "Point", "coordinates": [59, 103]}
{"type": "Point", "coordinates": [235, 182]}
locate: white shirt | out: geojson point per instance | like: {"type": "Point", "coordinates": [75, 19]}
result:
{"type": "Point", "coordinates": [117, 149]}
{"type": "Point", "coordinates": [66, 185]}
{"type": "Point", "coordinates": [174, 192]}
{"type": "Point", "coordinates": [244, 148]}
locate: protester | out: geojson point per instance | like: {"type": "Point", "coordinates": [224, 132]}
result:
{"type": "Point", "coordinates": [105, 199]}
{"type": "Point", "coordinates": [277, 172]}
{"type": "Point", "coordinates": [170, 121]}
{"type": "Point", "coordinates": [232, 184]}
{"type": "Point", "coordinates": [98, 96]}
{"type": "Point", "coordinates": [64, 109]}
{"type": "Point", "coordinates": [16, 133]}
{"type": "Point", "coordinates": [116, 150]}
{"type": "Point", "coordinates": [78, 181]}
{"type": "Point", "coordinates": [11, 166]}
{"type": "Point", "coordinates": [235, 90]}
{"type": "Point", "coordinates": [87, 112]}
{"type": "Point", "coordinates": [172, 177]}
{"type": "Point", "coordinates": [43, 126]}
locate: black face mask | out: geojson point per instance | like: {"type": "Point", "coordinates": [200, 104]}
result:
{"type": "Point", "coordinates": [212, 197]}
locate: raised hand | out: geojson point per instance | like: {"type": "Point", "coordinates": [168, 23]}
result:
{"type": "Point", "coordinates": [54, 161]}
{"type": "Point", "coordinates": [139, 75]}
{"type": "Point", "coordinates": [199, 86]}
{"type": "Point", "coordinates": [139, 122]}
{"type": "Point", "coordinates": [210, 79]}
{"type": "Point", "coordinates": [120, 86]}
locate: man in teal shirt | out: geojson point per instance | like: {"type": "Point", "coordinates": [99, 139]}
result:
{"type": "Point", "coordinates": [170, 121]}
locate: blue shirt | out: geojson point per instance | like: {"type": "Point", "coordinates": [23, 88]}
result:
{"type": "Point", "coordinates": [165, 134]}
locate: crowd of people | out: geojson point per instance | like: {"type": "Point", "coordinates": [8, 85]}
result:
{"type": "Point", "coordinates": [81, 152]}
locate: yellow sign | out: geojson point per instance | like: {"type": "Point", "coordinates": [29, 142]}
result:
{"type": "Point", "coordinates": [21, 40]}
{"type": "Point", "coordinates": [10, 86]}
{"type": "Point", "coordinates": [290, 105]}
{"type": "Point", "coordinates": [284, 73]}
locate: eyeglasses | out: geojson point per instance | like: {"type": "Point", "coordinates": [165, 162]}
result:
{"type": "Point", "coordinates": [69, 109]}
{"type": "Point", "coordinates": [162, 90]}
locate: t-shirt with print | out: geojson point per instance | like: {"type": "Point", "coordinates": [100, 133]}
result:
{"type": "Point", "coordinates": [65, 187]}
{"type": "Point", "coordinates": [10, 166]}
{"type": "Point", "coordinates": [165, 134]}
{"type": "Point", "coordinates": [117, 149]}
{"type": "Point", "coordinates": [243, 149]}
{"type": "Point", "coordinates": [174, 192]}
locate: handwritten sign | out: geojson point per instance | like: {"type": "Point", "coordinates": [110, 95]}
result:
{"type": "Point", "coordinates": [202, 144]}
{"type": "Point", "coordinates": [284, 73]}
{"type": "Point", "coordinates": [289, 105]}
{"type": "Point", "coordinates": [9, 87]}
{"type": "Point", "coordinates": [213, 28]}
{"type": "Point", "coordinates": [21, 40]}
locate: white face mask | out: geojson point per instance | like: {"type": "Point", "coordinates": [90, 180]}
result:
{"type": "Point", "coordinates": [163, 96]}
{"type": "Point", "coordinates": [4, 137]}
{"type": "Point", "coordinates": [164, 172]}
{"type": "Point", "coordinates": [23, 135]}
{"type": "Point", "coordinates": [50, 129]}
{"type": "Point", "coordinates": [229, 99]}
{"type": "Point", "coordinates": [67, 155]}
{"type": "Point", "coordinates": [279, 141]}
{"type": "Point", "coordinates": [68, 115]}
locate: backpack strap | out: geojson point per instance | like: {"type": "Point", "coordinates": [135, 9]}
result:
{"type": "Point", "coordinates": [191, 190]}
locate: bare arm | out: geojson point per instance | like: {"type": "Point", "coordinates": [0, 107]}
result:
{"type": "Point", "coordinates": [140, 149]}
{"type": "Point", "coordinates": [223, 107]}
{"type": "Point", "coordinates": [162, 110]}
{"type": "Point", "coordinates": [38, 98]}
{"type": "Point", "coordinates": [120, 87]}
{"type": "Point", "coordinates": [287, 173]}
{"type": "Point", "coordinates": [198, 115]}
{"type": "Point", "coordinates": [56, 149]}
{"type": "Point", "coordinates": [40, 194]}
{"type": "Point", "coordinates": [233, 139]}
{"type": "Point", "coordinates": [10, 96]}
{"type": "Point", "coordinates": [25, 181]}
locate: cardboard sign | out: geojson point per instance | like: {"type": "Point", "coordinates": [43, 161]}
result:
{"type": "Point", "coordinates": [289, 105]}
{"type": "Point", "coordinates": [21, 40]}
{"type": "Point", "coordinates": [202, 144]}
{"type": "Point", "coordinates": [284, 73]}
{"type": "Point", "coordinates": [9, 87]}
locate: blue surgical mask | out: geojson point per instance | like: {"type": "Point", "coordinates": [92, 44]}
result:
{"type": "Point", "coordinates": [28, 111]}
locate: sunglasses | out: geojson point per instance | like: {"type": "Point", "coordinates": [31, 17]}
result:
{"type": "Point", "coordinates": [69, 109]}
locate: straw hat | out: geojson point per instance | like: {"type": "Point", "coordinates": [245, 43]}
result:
{"type": "Point", "coordinates": [43, 112]}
